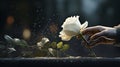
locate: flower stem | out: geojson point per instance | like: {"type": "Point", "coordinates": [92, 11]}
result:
{"type": "Point", "coordinates": [92, 53]}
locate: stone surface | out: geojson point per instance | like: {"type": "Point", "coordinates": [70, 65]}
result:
{"type": "Point", "coordinates": [63, 61]}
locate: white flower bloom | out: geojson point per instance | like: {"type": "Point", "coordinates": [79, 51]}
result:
{"type": "Point", "coordinates": [42, 42]}
{"type": "Point", "coordinates": [16, 39]}
{"type": "Point", "coordinates": [71, 27]}
{"type": "Point", "coordinates": [39, 44]}
{"type": "Point", "coordinates": [45, 40]}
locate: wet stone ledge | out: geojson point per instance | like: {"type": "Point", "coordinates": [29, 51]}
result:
{"type": "Point", "coordinates": [63, 61]}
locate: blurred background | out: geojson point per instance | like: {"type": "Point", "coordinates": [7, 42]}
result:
{"type": "Point", "coordinates": [33, 19]}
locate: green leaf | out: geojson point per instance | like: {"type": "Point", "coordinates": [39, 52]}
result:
{"type": "Point", "coordinates": [46, 46]}
{"type": "Point", "coordinates": [21, 43]}
{"type": "Point", "coordinates": [54, 44]}
{"type": "Point", "coordinates": [65, 47]}
{"type": "Point", "coordinates": [60, 45]}
{"type": "Point", "coordinates": [8, 39]}
{"type": "Point", "coordinates": [24, 43]}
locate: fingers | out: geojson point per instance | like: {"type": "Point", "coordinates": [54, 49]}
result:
{"type": "Point", "coordinates": [101, 40]}
{"type": "Point", "coordinates": [91, 30]}
{"type": "Point", "coordinates": [97, 35]}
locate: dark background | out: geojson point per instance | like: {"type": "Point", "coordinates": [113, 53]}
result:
{"type": "Point", "coordinates": [39, 15]}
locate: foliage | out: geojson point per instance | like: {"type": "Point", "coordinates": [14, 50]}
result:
{"type": "Point", "coordinates": [15, 47]}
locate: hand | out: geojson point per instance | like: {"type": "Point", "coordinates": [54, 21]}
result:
{"type": "Point", "coordinates": [100, 35]}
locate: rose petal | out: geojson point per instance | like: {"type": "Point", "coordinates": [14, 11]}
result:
{"type": "Point", "coordinates": [84, 25]}
{"type": "Point", "coordinates": [64, 37]}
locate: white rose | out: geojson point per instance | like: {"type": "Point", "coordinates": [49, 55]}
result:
{"type": "Point", "coordinates": [71, 27]}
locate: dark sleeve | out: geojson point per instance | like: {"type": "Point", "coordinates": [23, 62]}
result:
{"type": "Point", "coordinates": [117, 36]}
